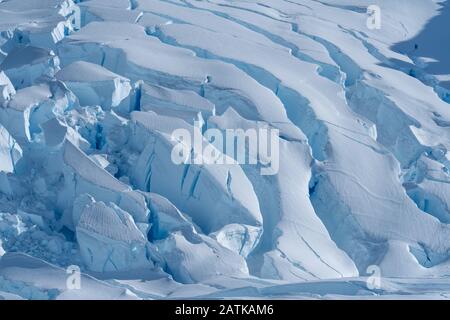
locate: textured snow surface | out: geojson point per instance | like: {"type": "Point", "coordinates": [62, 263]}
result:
{"type": "Point", "coordinates": [90, 92]}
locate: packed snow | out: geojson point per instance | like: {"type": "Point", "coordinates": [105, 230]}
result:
{"type": "Point", "coordinates": [91, 91]}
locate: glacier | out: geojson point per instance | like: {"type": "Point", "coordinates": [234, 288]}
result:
{"type": "Point", "coordinates": [92, 90]}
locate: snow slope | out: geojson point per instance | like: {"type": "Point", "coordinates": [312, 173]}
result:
{"type": "Point", "coordinates": [90, 92]}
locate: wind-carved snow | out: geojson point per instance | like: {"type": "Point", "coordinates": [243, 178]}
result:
{"type": "Point", "coordinates": [91, 91]}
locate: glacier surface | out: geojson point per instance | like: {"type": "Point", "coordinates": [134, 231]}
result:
{"type": "Point", "coordinates": [91, 91]}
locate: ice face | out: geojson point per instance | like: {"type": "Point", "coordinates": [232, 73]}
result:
{"type": "Point", "coordinates": [109, 239]}
{"type": "Point", "coordinates": [197, 190]}
{"type": "Point", "coordinates": [181, 258]}
{"type": "Point", "coordinates": [94, 85]}
{"type": "Point", "coordinates": [6, 88]}
{"type": "Point", "coordinates": [183, 104]}
{"type": "Point", "coordinates": [166, 219]}
{"type": "Point", "coordinates": [238, 238]}
{"type": "Point", "coordinates": [10, 151]}
{"type": "Point", "coordinates": [26, 64]}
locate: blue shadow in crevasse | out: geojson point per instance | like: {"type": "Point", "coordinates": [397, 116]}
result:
{"type": "Point", "coordinates": [432, 42]}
